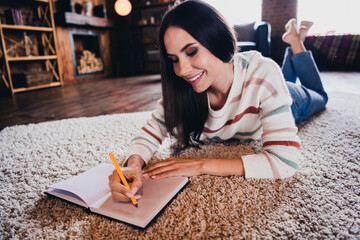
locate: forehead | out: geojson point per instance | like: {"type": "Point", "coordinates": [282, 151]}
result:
{"type": "Point", "coordinates": [175, 38]}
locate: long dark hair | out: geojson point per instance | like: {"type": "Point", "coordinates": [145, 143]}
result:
{"type": "Point", "coordinates": [185, 110]}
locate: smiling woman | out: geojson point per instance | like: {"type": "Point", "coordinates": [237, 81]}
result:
{"type": "Point", "coordinates": [210, 90]}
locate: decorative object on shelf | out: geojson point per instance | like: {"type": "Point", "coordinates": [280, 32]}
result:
{"type": "Point", "coordinates": [143, 21]}
{"type": "Point", "coordinates": [152, 20]}
{"type": "Point", "coordinates": [100, 11]}
{"type": "Point", "coordinates": [20, 45]}
{"type": "Point", "coordinates": [87, 6]}
{"type": "Point", "coordinates": [27, 44]}
{"type": "Point", "coordinates": [32, 79]}
{"type": "Point", "coordinates": [122, 7]}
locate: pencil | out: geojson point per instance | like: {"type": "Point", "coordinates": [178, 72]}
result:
{"type": "Point", "coordinates": [123, 179]}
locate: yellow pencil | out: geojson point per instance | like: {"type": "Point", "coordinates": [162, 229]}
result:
{"type": "Point", "coordinates": [123, 179]}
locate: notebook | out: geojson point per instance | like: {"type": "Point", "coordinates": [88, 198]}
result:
{"type": "Point", "coordinates": [91, 190]}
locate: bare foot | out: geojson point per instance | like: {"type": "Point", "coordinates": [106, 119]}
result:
{"type": "Point", "coordinates": [304, 28]}
{"type": "Point", "coordinates": [291, 33]}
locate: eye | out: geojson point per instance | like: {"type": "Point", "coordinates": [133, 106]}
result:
{"type": "Point", "coordinates": [192, 52]}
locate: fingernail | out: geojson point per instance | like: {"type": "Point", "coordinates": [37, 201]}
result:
{"type": "Point", "coordinates": [129, 195]}
{"type": "Point", "coordinates": [134, 190]}
{"type": "Point", "coordinates": [153, 177]}
{"type": "Point", "coordinates": [137, 197]}
{"type": "Point", "coordinates": [145, 175]}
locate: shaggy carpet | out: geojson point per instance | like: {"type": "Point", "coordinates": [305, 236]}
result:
{"type": "Point", "coordinates": [320, 202]}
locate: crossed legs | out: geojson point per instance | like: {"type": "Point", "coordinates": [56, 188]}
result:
{"type": "Point", "coordinates": [310, 97]}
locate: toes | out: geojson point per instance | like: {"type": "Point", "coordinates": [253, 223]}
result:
{"type": "Point", "coordinates": [290, 23]}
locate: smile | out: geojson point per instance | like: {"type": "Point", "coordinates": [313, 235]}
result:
{"type": "Point", "coordinates": [194, 80]}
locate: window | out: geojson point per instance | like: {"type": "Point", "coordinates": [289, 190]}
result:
{"type": "Point", "coordinates": [238, 11]}
{"type": "Point", "coordinates": [331, 16]}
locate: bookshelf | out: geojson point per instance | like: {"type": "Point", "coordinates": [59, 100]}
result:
{"type": "Point", "coordinates": [145, 26]}
{"type": "Point", "coordinates": [23, 59]}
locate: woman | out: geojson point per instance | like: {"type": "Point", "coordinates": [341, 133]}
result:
{"type": "Point", "coordinates": [210, 90]}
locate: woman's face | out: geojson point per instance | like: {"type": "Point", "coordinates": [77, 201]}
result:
{"type": "Point", "coordinates": [192, 61]}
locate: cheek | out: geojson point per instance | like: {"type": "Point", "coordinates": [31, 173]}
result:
{"type": "Point", "coordinates": [202, 61]}
{"type": "Point", "coordinates": [176, 69]}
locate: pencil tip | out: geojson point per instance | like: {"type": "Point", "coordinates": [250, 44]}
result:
{"type": "Point", "coordinates": [136, 205]}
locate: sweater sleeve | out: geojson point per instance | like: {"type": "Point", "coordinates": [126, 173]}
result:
{"type": "Point", "coordinates": [151, 135]}
{"type": "Point", "coordinates": [280, 144]}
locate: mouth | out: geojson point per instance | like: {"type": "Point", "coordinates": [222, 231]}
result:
{"type": "Point", "coordinates": [195, 79]}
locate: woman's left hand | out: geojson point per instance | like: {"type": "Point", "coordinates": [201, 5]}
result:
{"type": "Point", "coordinates": [174, 167]}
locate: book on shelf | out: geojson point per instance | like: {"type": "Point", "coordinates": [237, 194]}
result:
{"type": "Point", "coordinates": [13, 16]}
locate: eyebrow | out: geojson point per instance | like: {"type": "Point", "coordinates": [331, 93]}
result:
{"type": "Point", "coordinates": [184, 48]}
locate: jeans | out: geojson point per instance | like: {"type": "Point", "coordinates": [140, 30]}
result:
{"type": "Point", "coordinates": [310, 97]}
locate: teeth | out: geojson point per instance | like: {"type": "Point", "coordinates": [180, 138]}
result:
{"type": "Point", "coordinates": [196, 77]}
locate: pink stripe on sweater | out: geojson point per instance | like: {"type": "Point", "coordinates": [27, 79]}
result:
{"type": "Point", "coordinates": [152, 134]}
{"type": "Point", "coordinates": [256, 81]}
{"type": "Point", "coordinates": [252, 110]}
{"type": "Point", "coordinates": [282, 143]}
{"type": "Point", "coordinates": [260, 81]}
{"type": "Point", "coordinates": [275, 171]}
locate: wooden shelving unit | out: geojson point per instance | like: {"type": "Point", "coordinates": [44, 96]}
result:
{"type": "Point", "coordinates": [145, 29]}
{"type": "Point", "coordinates": [49, 61]}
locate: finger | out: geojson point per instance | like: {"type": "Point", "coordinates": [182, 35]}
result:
{"type": "Point", "coordinates": [153, 166]}
{"type": "Point", "coordinates": [119, 197]}
{"type": "Point", "coordinates": [157, 165]}
{"type": "Point", "coordinates": [167, 168]}
{"type": "Point", "coordinates": [135, 186]}
{"type": "Point", "coordinates": [113, 174]}
{"type": "Point", "coordinates": [166, 174]}
{"type": "Point", "coordinates": [158, 170]}
{"type": "Point", "coordinates": [116, 186]}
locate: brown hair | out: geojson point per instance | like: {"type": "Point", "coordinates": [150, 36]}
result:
{"type": "Point", "coordinates": [185, 110]}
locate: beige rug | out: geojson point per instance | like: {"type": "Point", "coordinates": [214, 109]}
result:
{"type": "Point", "coordinates": [320, 202]}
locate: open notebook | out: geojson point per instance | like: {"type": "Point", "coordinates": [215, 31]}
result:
{"type": "Point", "coordinates": [90, 189]}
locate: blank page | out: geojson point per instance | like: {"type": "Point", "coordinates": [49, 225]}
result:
{"type": "Point", "coordinates": [91, 185]}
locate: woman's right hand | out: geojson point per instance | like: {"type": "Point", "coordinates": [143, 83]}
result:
{"type": "Point", "coordinates": [133, 174]}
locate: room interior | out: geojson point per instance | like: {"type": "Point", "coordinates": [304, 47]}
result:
{"type": "Point", "coordinates": [122, 47]}
{"type": "Point", "coordinates": [75, 82]}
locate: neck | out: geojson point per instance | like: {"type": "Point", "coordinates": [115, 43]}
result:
{"type": "Point", "coordinates": [219, 91]}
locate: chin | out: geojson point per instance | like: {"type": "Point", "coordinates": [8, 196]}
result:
{"type": "Point", "coordinates": [199, 89]}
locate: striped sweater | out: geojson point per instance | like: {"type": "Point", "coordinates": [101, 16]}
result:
{"type": "Point", "coordinates": [258, 106]}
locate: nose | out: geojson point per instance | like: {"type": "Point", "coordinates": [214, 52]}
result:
{"type": "Point", "coordinates": [184, 67]}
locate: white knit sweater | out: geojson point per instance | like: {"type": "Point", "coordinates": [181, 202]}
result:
{"type": "Point", "coordinates": [258, 106]}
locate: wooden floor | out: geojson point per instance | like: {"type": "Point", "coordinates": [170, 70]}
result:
{"type": "Point", "coordinates": [84, 99]}
{"type": "Point", "coordinates": [109, 96]}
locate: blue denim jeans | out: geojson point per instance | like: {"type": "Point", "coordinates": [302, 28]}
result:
{"type": "Point", "coordinates": [309, 97]}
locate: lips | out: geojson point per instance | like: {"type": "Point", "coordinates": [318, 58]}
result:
{"type": "Point", "coordinates": [195, 79]}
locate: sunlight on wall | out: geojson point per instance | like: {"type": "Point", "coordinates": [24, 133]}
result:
{"type": "Point", "coordinates": [331, 16]}
{"type": "Point", "coordinates": [238, 11]}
